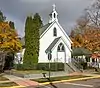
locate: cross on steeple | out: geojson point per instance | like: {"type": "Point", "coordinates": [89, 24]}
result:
{"type": "Point", "coordinates": [54, 7]}
{"type": "Point", "coordinates": [53, 15]}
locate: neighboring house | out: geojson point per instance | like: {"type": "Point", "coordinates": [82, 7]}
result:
{"type": "Point", "coordinates": [81, 56]}
{"type": "Point", "coordinates": [54, 40]}
{"type": "Point", "coordinates": [81, 53]}
{"type": "Point", "coordinates": [95, 60]}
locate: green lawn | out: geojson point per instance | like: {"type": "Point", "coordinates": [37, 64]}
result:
{"type": "Point", "coordinates": [98, 73]}
{"type": "Point", "coordinates": [41, 80]}
{"type": "Point", "coordinates": [3, 78]}
{"type": "Point", "coordinates": [6, 84]}
{"type": "Point", "coordinates": [28, 71]}
{"type": "Point", "coordinates": [9, 84]}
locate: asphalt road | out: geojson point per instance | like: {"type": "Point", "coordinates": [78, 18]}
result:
{"type": "Point", "coordinates": [91, 83]}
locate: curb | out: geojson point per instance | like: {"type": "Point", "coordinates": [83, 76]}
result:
{"type": "Point", "coordinates": [5, 81]}
{"type": "Point", "coordinates": [71, 80]}
{"type": "Point", "coordinates": [14, 87]}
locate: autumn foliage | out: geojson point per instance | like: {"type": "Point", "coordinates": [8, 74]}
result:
{"type": "Point", "coordinates": [8, 38]}
{"type": "Point", "coordinates": [88, 38]}
{"type": "Point", "coordinates": [87, 31]}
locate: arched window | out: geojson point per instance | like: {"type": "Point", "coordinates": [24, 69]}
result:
{"type": "Point", "coordinates": [58, 48]}
{"type": "Point", "coordinates": [54, 32]}
{"type": "Point", "coordinates": [54, 15]}
{"type": "Point", "coordinates": [61, 48]}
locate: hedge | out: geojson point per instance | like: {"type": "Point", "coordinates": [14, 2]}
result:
{"type": "Point", "coordinates": [53, 66]}
{"type": "Point", "coordinates": [43, 66]}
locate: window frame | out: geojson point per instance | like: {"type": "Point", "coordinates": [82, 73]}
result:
{"type": "Point", "coordinates": [61, 48]}
{"type": "Point", "coordinates": [54, 31]}
{"type": "Point", "coordinates": [54, 15]}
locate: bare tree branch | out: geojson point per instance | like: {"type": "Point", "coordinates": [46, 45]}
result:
{"type": "Point", "coordinates": [94, 13]}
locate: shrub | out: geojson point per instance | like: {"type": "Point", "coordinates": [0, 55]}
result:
{"type": "Point", "coordinates": [53, 66]}
{"type": "Point", "coordinates": [42, 66]}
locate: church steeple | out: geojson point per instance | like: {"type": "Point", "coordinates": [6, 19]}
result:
{"type": "Point", "coordinates": [53, 15]}
{"type": "Point", "coordinates": [54, 7]}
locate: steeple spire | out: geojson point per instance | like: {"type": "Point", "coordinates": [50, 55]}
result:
{"type": "Point", "coordinates": [53, 15]}
{"type": "Point", "coordinates": [54, 7]}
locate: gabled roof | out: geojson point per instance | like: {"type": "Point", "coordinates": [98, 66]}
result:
{"type": "Point", "coordinates": [42, 29]}
{"type": "Point", "coordinates": [52, 44]}
{"type": "Point", "coordinates": [47, 27]}
{"type": "Point", "coordinates": [80, 51]}
{"type": "Point", "coordinates": [95, 55]}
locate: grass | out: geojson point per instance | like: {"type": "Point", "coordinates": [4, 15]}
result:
{"type": "Point", "coordinates": [3, 78]}
{"type": "Point", "coordinates": [98, 73]}
{"type": "Point", "coordinates": [28, 71]}
{"type": "Point", "coordinates": [9, 84]}
{"type": "Point", "coordinates": [41, 80]}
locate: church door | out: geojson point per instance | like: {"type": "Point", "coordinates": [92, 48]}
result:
{"type": "Point", "coordinates": [61, 53]}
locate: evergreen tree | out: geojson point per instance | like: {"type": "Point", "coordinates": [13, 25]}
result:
{"type": "Point", "coordinates": [32, 26]}
{"type": "Point", "coordinates": [11, 24]}
{"type": "Point", "coordinates": [37, 24]}
{"type": "Point", "coordinates": [2, 17]}
{"type": "Point", "coordinates": [28, 55]}
{"type": "Point", "coordinates": [38, 20]}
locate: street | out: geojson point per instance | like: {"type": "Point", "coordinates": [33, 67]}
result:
{"type": "Point", "coordinates": [91, 83]}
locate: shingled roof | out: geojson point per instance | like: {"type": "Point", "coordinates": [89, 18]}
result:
{"type": "Point", "coordinates": [80, 51]}
{"type": "Point", "coordinates": [52, 44]}
{"type": "Point", "coordinates": [42, 29]}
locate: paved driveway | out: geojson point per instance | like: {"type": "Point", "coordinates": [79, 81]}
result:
{"type": "Point", "coordinates": [91, 83]}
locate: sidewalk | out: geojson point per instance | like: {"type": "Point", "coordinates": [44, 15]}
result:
{"type": "Point", "coordinates": [22, 81]}
{"type": "Point", "coordinates": [40, 75]}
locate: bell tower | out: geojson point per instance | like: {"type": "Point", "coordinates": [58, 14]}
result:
{"type": "Point", "coordinates": [53, 15]}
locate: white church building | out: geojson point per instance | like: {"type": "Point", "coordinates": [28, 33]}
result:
{"type": "Point", "coordinates": [54, 40]}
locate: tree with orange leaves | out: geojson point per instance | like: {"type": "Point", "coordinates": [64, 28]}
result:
{"type": "Point", "coordinates": [89, 38]}
{"type": "Point", "coordinates": [9, 42]}
{"type": "Point", "coordinates": [8, 38]}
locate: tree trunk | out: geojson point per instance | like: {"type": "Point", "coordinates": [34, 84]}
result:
{"type": "Point", "coordinates": [2, 61]}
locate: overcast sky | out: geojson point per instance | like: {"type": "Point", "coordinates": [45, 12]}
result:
{"type": "Point", "coordinates": [68, 11]}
